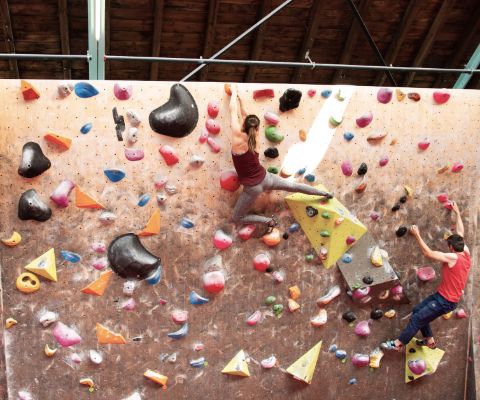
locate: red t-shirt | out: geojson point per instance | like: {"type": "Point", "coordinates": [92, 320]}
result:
{"type": "Point", "coordinates": [250, 171]}
{"type": "Point", "coordinates": [455, 278]}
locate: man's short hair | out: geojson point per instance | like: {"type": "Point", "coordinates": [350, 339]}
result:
{"type": "Point", "coordinates": [457, 242]}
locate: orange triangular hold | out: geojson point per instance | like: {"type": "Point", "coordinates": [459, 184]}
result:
{"type": "Point", "coordinates": [84, 200]}
{"type": "Point", "coordinates": [61, 141]}
{"type": "Point", "coordinates": [98, 286]}
{"type": "Point", "coordinates": [28, 91]}
{"type": "Point", "coordinates": [153, 225]}
{"type": "Point", "coordinates": [105, 336]}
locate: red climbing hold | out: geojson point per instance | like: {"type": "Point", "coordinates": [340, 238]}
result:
{"type": "Point", "coordinates": [374, 215]}
{"type": "Point", "coordinates": [255, 318]}
{"type": "Point", "coordinates": [311, 92]}
{"type": "Point", "coordinates": [364, 120]}
{"type": "Point", "coordinates": [384, 95]}
{"type": "Point", "coordinates": [168, 154]}
{"type": "Point", "coordinates": [203, 136]}
{"type": "Point", "coordinates": [442, 197]}
{"type": "Point", "coordinates": [383, 161]}
{"type": "Point", "coordinates": [179, 316]}
{"type": "Point", "coordinates": [221, 240]}
{"type": "Point", "coordinates": [457, 167]}
{"type": "Point", "coordinates": [263, 93]}
{"type": "Point", "coordinates": [350, 240]}
{"type": "Point", "coordinates": [214, 281]}
{"type": "Point", "coordinates": [212, 126]}
{"type": "Point", "coordinates": [247, 232]}
{"type": "Point", "coordinates": [426, 274]}
{"type": "Point", "coordinates": [229, 180]}
{"type": "Point", "coordinates": [261, 262]}
{"type": "Point", "coordinates": [448, 205]}
{"type": "Point", "coordinates": [213, 145]}
{"type": "Point", "coordinates": [424, 144]}
{"type": "Point", "coordinates": [347, 168]}
{"type": "Point", "coordinates": [440, 97]}
{"type": "Point", "coordinates": [461, 313]}
{"type": "Point", "coordinates": [213, 108]}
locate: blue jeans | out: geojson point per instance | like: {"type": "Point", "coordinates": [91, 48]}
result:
{"type": "Point", "coordinates": [429, 309]}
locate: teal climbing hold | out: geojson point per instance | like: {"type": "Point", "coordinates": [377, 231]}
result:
{"type": "Point", "coordinates": [310, 178]}
{"type": "Point", "coordinates": [272, 134]}
{"type": "Point", "coordinates": [326, 93]}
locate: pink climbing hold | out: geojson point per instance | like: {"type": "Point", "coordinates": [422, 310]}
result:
{"type": "Point", "coordinates": [246, 232]}
{"type": "Point", "coordinates": [360, 293]}
{"type": "Point", "coordinates": [461, 313]}
{"type": "Point", "coordinates": [457, 167]}
{"type": "Point", "coordinates": [60, 194]}
{"type": "Point", "coordinates": [384, 95]}
{"type": "Point", "coordinates": [442, 197]}
{"type": "Point", "coordinates": [347, 168]}
{"type": "Point", "coordinates": [350, 240]}
{"type": "Point", "coordinates": [99, 247]}
{"type": "Point", "coordinates": [426, 274]}
{"type": "Point", "coordinates": [213, 108]}
{"type": "Point", "coordinates": [360, 360]}
{"type": "Point", "coordinates": [271, 118]}
{"type": "Point", "coordinates": [263, 93]}
{"type": "Point", "coordinates": [423, 145]}
{"type": "Point", "coordinates": [364, 120]}
{"type": "Point", "coordinates": [311, 92]}
{"type": "Point", "coordinates": [134, 154]}
{"type": "Point", "coordinates": [100, 263]}
{"type": "Point", "coordinates": [212, 126]}
{"type": "Point", "coordinates": [122, 91]}
{"type": "Point", "coordinates": [203, 136]}
{"type": "Point", "coordinates": [362, 329]}
{"type": "Point", "coordinates": [65, 336]}
{"type": "Point", "coordinates": [397, 290]}
{"type": "Point", "coordinates": [255, 318]}
{"type": "Point", "coordinates": [383, 161]}
{"type": "Point", "coordinates": [448, 205]}
{"type": "Point", "coordinates": [229, 180]}
{"type": "Point", "coordinates": [179, 316]}
{"type": "Point", "coordinates": [440, 96]}
{"type": "Point", "coordinates": [261, 262]}
{"type": "Point", "coordinates": [213, 145]}
{"type": "Point", "coordinates": [374, 215]}
{"type": "Point", "coordinates": [160, 181]}
{"type": "Point", "coordinates": [129, 305]}
{"type": "Point", "coordinates": [169, 155]}
{"type": "Point", "coordinates": [278, 277]}
{"type": "Point", "coordinates": [214, 281]}
{"type": "Point", "coordinates": [221, 240]}
{"type": "Point", "coordinates": [418, 367]}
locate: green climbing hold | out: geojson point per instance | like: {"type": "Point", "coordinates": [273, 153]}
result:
{"type": "Point", "coordinates": [272, 134]}
{"type": "Point", "coordinates": [273, 170]}
{"type": "Point", "coordinates": [270, 300]}
{"type": "Point", "coordinates": [309, 257]}
{"type": "Point", "coordinates": [336, 120]}
{"type": "Point", "coordinates": [278, 309]}
{"type": "Point", "coordinates": [324, 233]}
{"type": "Point", "coordinates": [340, 96]}
{"type": "Point", "coordinates": [326, 215]}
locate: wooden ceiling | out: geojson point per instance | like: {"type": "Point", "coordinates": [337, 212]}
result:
{"type": "Point", "coordinates": [428, 33]}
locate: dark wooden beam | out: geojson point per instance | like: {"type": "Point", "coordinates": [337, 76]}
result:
{"type": "Point", "coordinates": [422, 53]}
{"type": "Point", "coordinates": [309, 39]}
{"type": "Point", "coordinates": [213, 6]}
{"type": "Point", "coordinates": [8, 35]}
{"type": "Point", "coordinates": [351, 41]}
{"type": "Point", "coordinates": [108, 7]}
{"type": "Point", "coordinates": [64, 37]}
{"type": "Point", "coordinates": [257, 40]}
{"type": "Point", "coordinates": [465, 42]}
{"type": "Point", "coordinates": [157, 37]}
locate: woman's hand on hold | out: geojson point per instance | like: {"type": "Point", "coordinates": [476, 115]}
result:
{"type": "Point", "coordinates": [414, 230]}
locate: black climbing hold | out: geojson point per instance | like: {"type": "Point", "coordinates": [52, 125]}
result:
{"type": "Point", "coordinates": [396, 207]}
{"type": "Point", "coordinates": [311, 212]}
{"type": "Point", "coordinates": [178, 117]}
{"type": "Point", "coordinates": [362, 170]}
{"type": "Point", "coordinates": [285, 235]}
{"type": "Point", "coordinates": [290, 99]}
{"type": "Point", "coordinates": [403, 199]}
{"type": "Point", "coordinates": [367, 280]}
{"type": "Point", "coordinates": [412, 351]}
{"type": "Point", "coordinates": [376, 314]}
{"type": "Point", "coordinates": [410, 377]}
{"type": "Point", "coordinates": [269, 270]}
{"type": "Point", "coordinates": [401, 231]}
{"type": "Point", "coordinates": [271, 152]}
{"type": "Point", "coordinates": [119, 124]}
{"type": "Point", "coordinates": [34, 162]}
{"type": "Point", "coordinates": [129, 259]}
{"type": "Point", "coordinates": [30, 206]}
{"type": "Point", "coordinates": [349, 316]}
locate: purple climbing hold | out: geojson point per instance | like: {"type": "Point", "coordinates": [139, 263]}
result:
{"type": "Point", "coordinates": [360, 360]}
{"type": "Point", "coordinates": [384, 95]}
{"type": "Point", "coordinates": [134, 154]}
{"type": "Point", "coordinates": [347, 168]}
{"type": "Point", "coordinates": [374, 215]}
{"type": "Point", "coordinates": [360, 293]}
{"type": "Point", "coordinates": [65, 336]}
{"type": "Point", "coordinates": [418, 367]}
{"type": "Point", "coordinates": [364, 120]}
{"type": "Point", "coordinates": [60, 194]}
{"type": "Point", "coordinates": [362, 329]}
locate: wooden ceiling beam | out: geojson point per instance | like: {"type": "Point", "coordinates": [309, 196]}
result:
{"type": "Point", "coordinates": [157, 37]}
{"type": "Point", "coordinates": [213, 6]}
{"type": "Point", "coordinates": [64, 37]}
{"type": "Point", "coordinates": [422, 53]}
{"type": "Point", "coordinates": [257, 40]}
{"type": "Point", "coordinates": [351, 41]}
{"type": "Point", "coordinates": [8, 35]}
{"type": "Point", "coordinates": [108, 7]}
{"type": "Point", "coordinates": [309, 39]}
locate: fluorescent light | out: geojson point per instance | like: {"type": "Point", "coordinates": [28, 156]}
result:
{"type": "Point", "coordinates": [97, 20]}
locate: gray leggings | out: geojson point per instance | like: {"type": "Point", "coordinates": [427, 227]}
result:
{"type": "Point", "coordinates": [270, 182]}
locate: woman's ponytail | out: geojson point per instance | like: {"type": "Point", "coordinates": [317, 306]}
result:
{"type": "Point", "coordinates": [250, 127]}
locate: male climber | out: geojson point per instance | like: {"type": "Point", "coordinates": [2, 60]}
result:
{"type": "Point", "coordinates": [455, 268]}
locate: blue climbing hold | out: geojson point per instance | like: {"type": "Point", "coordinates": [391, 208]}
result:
{"type": "Point", "coordinates": [310, 178]}
{"type": "Point", "coordinates": [86, 128]}
{"type": "Point", "coordinates": [196, 299]}
{"type": "Point", "coordinates": [143, 200]}
{"type": "Point", "coordinates": [198, 363]}
{"type": "Point", "coordinates": [326, 93]}
{"type": "Point", "coordinates": [352, 381]}
{"type": "Point", "coordinates": [294, 228]}
{"type": "Point", "coordinates": [348, 136]}
{"type": "Point", "coordinates": [347, 258]}
{"type": "Point", "coordinates": [114, 174]}
{"type": "Point", "coordinates": [85, 90]}
{"type": "Point", "coordinates": [301, 171]}
{"type": "Point", "coordinates": [154, 277]}
{"type": "Point", "coordinates": [186, 223]}
{"type": "Point", "coordinates": [341, 354]}
{"type": "Point", "coordinates": [180, 333]}
{"type": "Point", "coordinates": [70, 256]}
{"type": "Point", "coordinates": [333, 348]}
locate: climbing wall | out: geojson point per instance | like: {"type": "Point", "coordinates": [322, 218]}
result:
{"type": "Point", "coordinates": [320, 136]}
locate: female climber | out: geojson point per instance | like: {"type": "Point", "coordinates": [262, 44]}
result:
{"type": "Point", "coordinates": [455, 268]}
{"type": "Point", "coordinates": [254, 178]}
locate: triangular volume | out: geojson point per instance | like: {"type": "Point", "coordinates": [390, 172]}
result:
{"type": "Point", "coordinates": [44, 265]}
{"type": "Point", "coordinates": [28, 91]}
{"type": "Point", "coordinates": [237, 366]}
{"type": "Point", "coordinates": [303, 368]}
{"type": "Point", "coordinates": [420, 361]}
{"type": "Point", "coordinates": [98, 286]}
{"type": "Point", "coordinates": [83, 200]}
{"type": "Point", "coordinates": [61, 141]}
{"type": "Point", "coordinates": [106, 336]}
{"type": "Point", "coordinates": [329, 226]}
{"type": "Point", "coordinates": [153, 225]}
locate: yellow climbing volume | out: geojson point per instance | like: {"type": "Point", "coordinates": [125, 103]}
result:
{"type": "Point", "coordinates": [303, 368]}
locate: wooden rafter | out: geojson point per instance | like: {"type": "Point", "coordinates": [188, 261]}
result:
{"type": "Point", "coordinates": [351, 41]}
{"type": "Point", "coordinates": [442, 14]}
{"type": "Point", "coordinates": [108, 6]}
{"type": "Point", "coordinates": [309, 38]}
{"type": "Point", "coordinates": [157, 37]}
{"type": "Point", "coordinates": [257, 40]}
{"type": "Point", "coordinates": [8, 35]}
{"type": "Point", "coordinates": [397, 41]}
{"type": "Point", "coordinates": [64, 37]}
{"type": "Point", "coordinates": [213, 6]}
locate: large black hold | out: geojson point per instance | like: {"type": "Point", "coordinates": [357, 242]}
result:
{"type": "Point", "coordinates": [349, 316]}
{"type": "Point", "coordinates": [178, 117]}
{"type": "Point", "coordinates": [34, 162]}
{"type": "Point", "coordinates": [129, 259]}
{"type": "Point", "coordinates": [290, 99]}
{"type": "Point", "coordinates": [271, 152]}
{"type": "Point", "coordinates": [30, 206]}
{"type": "Point", "coordinates": [376, 314]}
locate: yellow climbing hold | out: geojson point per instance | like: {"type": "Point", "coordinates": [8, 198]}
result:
{"type": "Point", "coordinates": [87, 382]}
{"type": "Point", "coordinates": [237, 366]}
{"type": "Point", "coordinates": [156, 377]}
{"type": "Point", "coordinates": [447, 315]}
{"type": "Point", "coordinates": [431, 357]}
{"type": "Point", "coordinates": [375, 357]}
{"type": "Point", "coordinates": [10, 322]}
{"type": "Point", "coordinates": [408, 191]}
{"type": "Point", "coordinates": [390, 313]}
{"type": "Point", "coordinates": [13, 240]}
{"type": "Point", "coordinates": [49, 352]}
{"type": "Point", "coordinates": [400, 95]}
{"type": "Point", "coordinates": [44, 265]}
{"type": "Point", "coordinates": [304, 367]}
{"type": "Point", "coordinates": [294, 292]}
{"type": "Point", "coordinates": [293, 305]}
{"type": "Point", "coordinates": [376, 257]}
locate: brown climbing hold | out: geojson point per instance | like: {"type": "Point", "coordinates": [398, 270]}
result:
{"type": "Point", "coordinates": [376, 136]}
{"type": "Point", "coordinates": [414, 96]}
{"type": "Point", "coordinates": [302, 134]}
{"type": "Point", "coordinates": [228, 89]}
{"type": "Point", "coordinates": [443, 169]}
{"type": "Point", "coordinates": [106, 336]}
{"type": "Point", "coordinates": [98, 286]}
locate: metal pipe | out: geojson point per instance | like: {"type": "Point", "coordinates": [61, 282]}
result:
{"type": "Point", "coordinates": [238, 38]}
{"type": "Point", "coordinates": [25, 56]}
{"type": "Point", "coordinates": [293, 64]}
{"type": "Point", "coordinates": [474, 62]}
{"type": "Point", "coordinates": [373, 45]}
